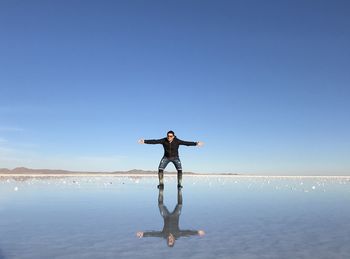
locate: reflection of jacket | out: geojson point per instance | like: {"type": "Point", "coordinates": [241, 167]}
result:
{"type": "Point", "coordinates": [171, 149]}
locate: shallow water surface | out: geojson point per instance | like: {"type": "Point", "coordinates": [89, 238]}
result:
{"type": "Point", "coordinates": [128, 217]}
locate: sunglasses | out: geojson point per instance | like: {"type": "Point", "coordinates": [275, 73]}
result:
{"type": "Point", "coordinates": [170, 136]}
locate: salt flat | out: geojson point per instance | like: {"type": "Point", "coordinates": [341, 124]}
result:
{"type": "Point", "coordinates": [90, 216]}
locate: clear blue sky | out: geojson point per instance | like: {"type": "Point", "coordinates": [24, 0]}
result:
{"type": "Point", "coordinates": [265, 84]}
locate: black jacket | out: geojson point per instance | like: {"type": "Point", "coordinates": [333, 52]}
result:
{"type": "Point", "coordinates": [171, 149]}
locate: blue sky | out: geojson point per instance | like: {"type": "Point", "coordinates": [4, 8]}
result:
{"type": "Point", "coordinates": [265, 84]}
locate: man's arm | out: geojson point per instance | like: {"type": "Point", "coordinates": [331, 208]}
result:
{"type": "Point", "coordinates": [187, 143]}
{"type": "Point", "coordinates": [151, 141]}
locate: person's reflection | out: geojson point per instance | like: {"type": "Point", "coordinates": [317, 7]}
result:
{"type": "Point", "coordinates": [171, 230]}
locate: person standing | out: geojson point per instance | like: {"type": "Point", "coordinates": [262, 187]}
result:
{"type": "Point", "coordinates": [171, 154]}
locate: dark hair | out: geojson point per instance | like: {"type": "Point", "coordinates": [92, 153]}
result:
{"type": "Point", "coordinates": [170, 132]}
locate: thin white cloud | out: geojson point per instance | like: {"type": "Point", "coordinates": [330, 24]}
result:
{"type": "Point", "coordinates": [21, 109]}
{"type": "Point", "coordinates": [11, 129]}
{"type": "Point", "coordinates": [4, 151]}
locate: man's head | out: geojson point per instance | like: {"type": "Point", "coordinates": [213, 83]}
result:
{"type": "Point", "coordinates": [170, 240]}
{"type": "Point", "coordinates": [170, 135]}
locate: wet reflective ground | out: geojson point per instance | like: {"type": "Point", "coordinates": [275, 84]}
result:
{"type": "Point", "coordinates": [212, 217]}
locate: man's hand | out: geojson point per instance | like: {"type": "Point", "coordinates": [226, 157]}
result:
{"type": "Point", "coordinates": [201, 233]}
{"type": "Point", "coordinates": [139, 234]}
{"type": "Point", "coordinates": [141, 141]}
{"type": "Point", "coordinates": [200, 144]}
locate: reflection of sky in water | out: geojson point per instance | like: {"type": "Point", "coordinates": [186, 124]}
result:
{"type": "Point", "coordinates": [243, 217]}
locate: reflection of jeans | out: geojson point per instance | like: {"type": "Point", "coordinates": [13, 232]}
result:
{"type": "Point", "coordinates": [165, 161]}
{"type": "Point", "coordinates": [164, 210]}
{"type": "Point", "coordinates": [166, 214]}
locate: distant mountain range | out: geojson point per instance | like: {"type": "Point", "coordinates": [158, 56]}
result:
{"type": "Point", "coordinates": [24, 170]}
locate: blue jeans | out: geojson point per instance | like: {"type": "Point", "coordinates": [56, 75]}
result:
{"type": "Point", "coordinates": [165, 161]}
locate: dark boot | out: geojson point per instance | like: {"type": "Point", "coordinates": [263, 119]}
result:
{"type": "Point", "coordinates": [179, 179]}
{"type": "Point", "coordinates": [160, 177]}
